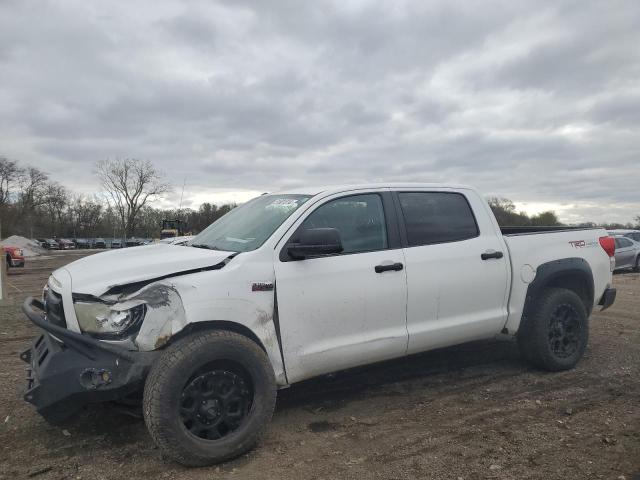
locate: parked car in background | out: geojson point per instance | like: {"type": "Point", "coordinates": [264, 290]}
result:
{"type": "Point", "coordinates": [627, 253]}
{"type": "Point", "coordinates": [13, 256]}
{"type": "Point", "coordinates": [632, 234]}
{"type": "Point", "coordinates": [134, 242]}
{"type": "Point", "coordinates": [635, 235]}
{"type": "Point", "coordinates": [66, 244]}
{"type": "Point", "coordinates": [117, 243]}
{"type": "Point", "coordinates": [49, 243]}
{"type": "Point", "coordinates": [99, 243]}
{"type": "Point", "coordinates": [82, 243]}
{"type": "Point", "coordinates": [177, 240]}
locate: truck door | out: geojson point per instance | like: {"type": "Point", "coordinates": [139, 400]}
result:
{"type": "Point", "coordinates": [457, 268]}
{"type": "Point", "coordinates": [347, 309]}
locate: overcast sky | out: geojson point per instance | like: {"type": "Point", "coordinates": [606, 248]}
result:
{"type": "Point", "coordinates": [535, 101]}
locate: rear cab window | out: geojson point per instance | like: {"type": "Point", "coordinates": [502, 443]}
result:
{"type": "Point", "coordinates": [437, 217]}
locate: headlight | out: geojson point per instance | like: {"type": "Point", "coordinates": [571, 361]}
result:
{"type": "Point", "coordinates": [103, 320]}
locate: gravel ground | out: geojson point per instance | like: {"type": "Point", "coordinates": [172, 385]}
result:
{"type": "Point", "coordinates": [473, 411]}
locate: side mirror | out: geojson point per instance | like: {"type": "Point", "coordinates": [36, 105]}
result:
{"type": "Point", "coordinates": [314, 242]}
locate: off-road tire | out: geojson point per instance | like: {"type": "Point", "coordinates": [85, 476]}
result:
{"type": "Point", "coordinates": [171, 374]}
{"type": "Point", "coordinates": [537, 337]}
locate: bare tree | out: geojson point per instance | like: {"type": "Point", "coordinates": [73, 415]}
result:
{"type": "Point", "coordinates": [130, 184]}
{"type": "Point", "coordinates": [56, 199]}
{"type": "Point", "coordinates": [33, 188]}
{"type": "Point", "coordinates": [10, 173]}
{"type": "Point", "coordinates": [84, 216]}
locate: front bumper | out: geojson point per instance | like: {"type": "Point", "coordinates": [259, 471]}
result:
{"type": "Point", "coordinates": [68, 370]}
{"type": "Point", "coordinates": [608, 297]}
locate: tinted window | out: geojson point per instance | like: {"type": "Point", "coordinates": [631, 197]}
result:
{"type": "Point", "coordinates": [635, 236]}
{"type": "Point", "coordinates": [358, 218]}
{"type": "Point", "coordinates": [437, 217]}
{"type": "Point", "coordinates": [623, 242]}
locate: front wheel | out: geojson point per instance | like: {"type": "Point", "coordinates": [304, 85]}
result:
{"type": "Point", "coordinates": [209, 398]}
{"type": "Point", "coordinates": [554, 336]}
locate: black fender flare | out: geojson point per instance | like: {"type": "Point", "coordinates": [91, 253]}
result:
{"type": "Point", "coordinates": [572, 273]}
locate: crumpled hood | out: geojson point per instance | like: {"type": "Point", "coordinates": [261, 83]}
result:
{"type": "Point", "coordinates": [96, 274]}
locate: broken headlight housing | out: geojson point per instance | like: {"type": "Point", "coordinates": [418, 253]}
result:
{"type": "Point", "coordinates": [103, 320]}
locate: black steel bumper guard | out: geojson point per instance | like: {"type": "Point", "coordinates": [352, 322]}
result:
{"type": "Point", "coordinates": [68, 370]}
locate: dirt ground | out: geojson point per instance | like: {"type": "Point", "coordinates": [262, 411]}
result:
{"type": "Point", "coordinates": [470, 412]}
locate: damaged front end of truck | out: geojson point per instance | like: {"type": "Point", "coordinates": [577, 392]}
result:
{"type": "Point", "coordinates": [107, 356]}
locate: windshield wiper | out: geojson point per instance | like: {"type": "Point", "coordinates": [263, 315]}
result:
{"type": "Point", "coordinates": [204, 245]}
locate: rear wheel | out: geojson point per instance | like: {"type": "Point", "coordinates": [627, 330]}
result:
{"type": "Point", "coordinates": [554, 336]}
{"type": "Point", "coordinates": [636, 267]}
{"type": "Point", "coordinates": [209, 398]}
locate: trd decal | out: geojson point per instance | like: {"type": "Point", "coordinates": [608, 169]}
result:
{"type": "Point", "coordinates": [582, 243]}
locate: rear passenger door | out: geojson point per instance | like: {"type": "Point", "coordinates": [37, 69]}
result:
{"type": "Point", "coordinates": [624, 252]}
{"type": "Point", "coordinates": [457, 268]}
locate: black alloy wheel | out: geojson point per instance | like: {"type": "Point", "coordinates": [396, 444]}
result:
{"type": "Point", "coordinates": [215, 403]}
{"type": "Point", "coordinates": [209, 397]}
{"type": "Point", "coordinates": [564, 331]}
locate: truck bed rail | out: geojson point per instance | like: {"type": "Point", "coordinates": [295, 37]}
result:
{"type": "Point", "coordinates": [528, 230]}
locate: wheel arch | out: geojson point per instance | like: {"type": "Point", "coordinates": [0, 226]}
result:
{"type": "Point", "coordinates": [207, 325]}
{"type": "Point", "coordinates": [571, 273]}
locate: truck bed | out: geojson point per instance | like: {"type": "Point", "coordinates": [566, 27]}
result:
{"type": "Point", "coordinates": [530, 247]}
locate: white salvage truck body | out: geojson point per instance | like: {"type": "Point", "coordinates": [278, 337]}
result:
{"type": "Point", "coordinates": [391, 270]}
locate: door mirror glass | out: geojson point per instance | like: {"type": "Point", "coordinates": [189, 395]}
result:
{"type": "Point", "coordinates": [314, 242]}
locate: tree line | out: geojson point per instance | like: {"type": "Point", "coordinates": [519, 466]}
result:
{"type": "Point", "coordinates": [506, 214]}
{"type": "Point", "coordinates": [35, 206]}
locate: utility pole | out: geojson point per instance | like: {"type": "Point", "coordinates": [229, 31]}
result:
{"type": "Point", "coordinates": [184, 182]}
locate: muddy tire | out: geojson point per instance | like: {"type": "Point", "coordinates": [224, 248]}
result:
{"type": "Point", "coordinates": [209, 397]}
{"type": "Point", "coordinates": [554, 336]}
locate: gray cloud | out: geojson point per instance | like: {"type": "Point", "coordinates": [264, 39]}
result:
{"type": "Point", "coordinates": [535, 102]}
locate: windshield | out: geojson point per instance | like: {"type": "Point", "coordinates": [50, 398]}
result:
{"type": "Point", "coordinates": [248, 226]}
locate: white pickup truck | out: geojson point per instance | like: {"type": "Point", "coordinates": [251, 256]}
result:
{"type": "Point", "coordinates": [293, 285]}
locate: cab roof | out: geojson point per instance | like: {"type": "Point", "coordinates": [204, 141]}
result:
{"type": "Point", "coordinates": [331, 189]}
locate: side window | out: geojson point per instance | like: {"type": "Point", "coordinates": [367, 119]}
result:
{"type": "Point", "coordinates": [622, 242]}
{"type": "Point", "coordinates": [437, 217]}
{"type": "Point", "coordinates": [358, 218]}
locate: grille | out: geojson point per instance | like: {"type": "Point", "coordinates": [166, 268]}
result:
{"type": "Point", "coordinates": [53, 308]}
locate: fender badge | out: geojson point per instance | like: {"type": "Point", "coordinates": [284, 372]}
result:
{"type": "Point", "coordinates": [261, 286]}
